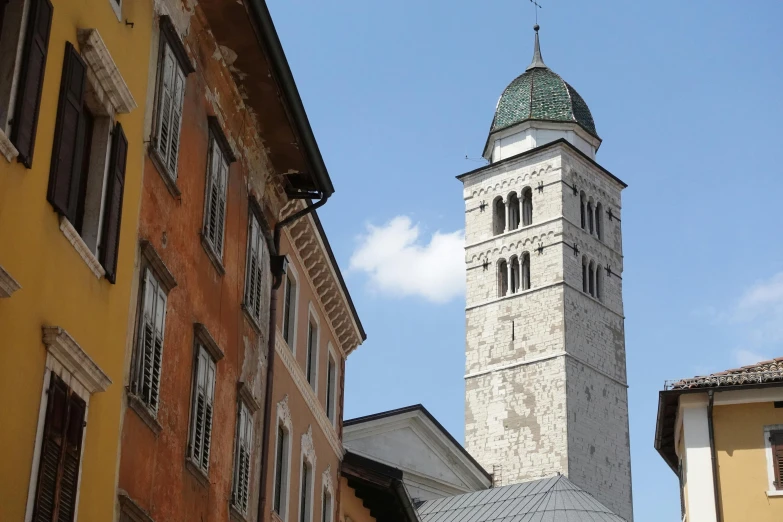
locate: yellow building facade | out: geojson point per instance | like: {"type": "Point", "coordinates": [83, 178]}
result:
{"type": "Point", "coordinates": [73, 82]}
{"type": "Point", "coordinates": [723, 436]}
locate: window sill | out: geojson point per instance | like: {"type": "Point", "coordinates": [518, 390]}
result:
{"type": "Point", "coordinates": [775, 493]}
{"type": "Point", "coordinates": [197, 473]}
{"type": "Point", "coordinates": [252, 320]}
{"type": "Point", "coordinates": [212, 255]}
{"type": "Point", "coordinates": [276, 516]}
{"type": "Point", "coordinates": [7, 148]}
{"type": "Point", "coordinates": [81, 247]}
{"type": "Point", "coordinates": [236, 514]}
{"type": "Point", "coordinates": [8, 285]}
{"type": "Point", "coordinates": [171, 184]}
{"type": "Point", "coordinates": [138, 406]}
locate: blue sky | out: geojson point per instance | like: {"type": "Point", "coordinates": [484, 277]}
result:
{"type": "Point", "coordinates": [687, 98]}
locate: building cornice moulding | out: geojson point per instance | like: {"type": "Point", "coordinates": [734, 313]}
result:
{"type": "Point", "coordinates": [67, 351]}
{"type": "Point", "coordinates": [308, 394]}
{"type": "Point", "coordinates": [97, 56]}
{"type": "Point", "coordinates": [8, 285]}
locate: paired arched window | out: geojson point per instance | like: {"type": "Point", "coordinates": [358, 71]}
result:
{"type": "Point", "coordinates": [592, 278]}
{"type": "Point", "coordinates": [513, 275]}
{"type": "Point", "coordinates": [591, 216]}
{"type": "Point", "coordinates": [510, 214]}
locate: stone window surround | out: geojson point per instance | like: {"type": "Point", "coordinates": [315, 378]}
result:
{"type": "Point", "coordinates": [772, 491]}
{"type": "Point", "coordinates": [312, 316]}
{"type": "Point", "coordinates": [80, 373]}
{"type": "Point", "coordinates": [283, 418]}
{"type": "Point", "coordinates": [307, 454]}
{"type": "Point", "coordinates": [8, 285]}
{"type": "Point", "coordinates": [291, 270]}
{"type": "Point", "coordinates": [331, 353]}
{"type": "Point", "coordinates": [327, 486]}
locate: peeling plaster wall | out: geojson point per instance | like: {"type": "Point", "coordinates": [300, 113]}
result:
{"type": "Point", "coordinates": [545, 368]}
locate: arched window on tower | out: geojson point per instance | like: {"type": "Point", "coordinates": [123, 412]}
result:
{"type": "Point", "coordinates": [527, 207]}
{"type": "Point", "coordinates": [599, 220]}
{"type": "Point", "coordinates": [599, 283]}
{"type": "Point", "coordinates": [513, 211]}
{"type": "Point", "coordinates": [514, 274]}
{"type": "Point", "coordinates": [502, 278]}
{"type": "Point", "coordinates": [525, 271]}
{"type": "Point", "coordinates": [585, 276]}
{"type": "Point", "coordinates": [590, 227]}
{"type": "Point", "coordinates": [498, 216]}
{"type": "Point", "coordinates": [591, 270]}
{"type": "Point", "coordinates": [583, 209]}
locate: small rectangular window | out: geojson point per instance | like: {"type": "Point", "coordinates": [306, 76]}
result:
{"type": "Point", "coordinates": [288, 310]}
{"type": "Point", "coordinates": [331, 388]}
{"type": "Point", "coordinates": [61, 448]}
{"type": "Point", "coordinates": [244, 448]}
{"type": "Point", "coordinates": [254, 271]}
{"type": "Point", "coordinates": [171, 97]}
{"type": "Point", "coordinates": [312, 352]}
{"type": "Point", "coordinates": [776, 441]}
{"type": "Point", "coordinates": [281, 471]}
{"type": "Point", "coordinates": [326, 508]}
{"type": "Point", "coordinates": [202, 409]}
{"type": "Point", "coordinates": [148, 360]}
{"type": "Point", "coordinates": [215, 201]}
{"type": "Point", "coordinates": [305, 503]}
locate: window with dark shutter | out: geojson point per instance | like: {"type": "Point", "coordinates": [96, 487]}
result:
{"type": "Point", "coordinates": [776, 441]}
{"type": "Point", "coordinates": [281, 474]}
{"type": "Point", "coordinates": [312, 352]}
{"type": "Point", "coordinates": [202, 409]}
{"type": "Point", "coordinates": [244, 444]}
{"type": "Point", "coordinates": [254, 275]}
{"type": "Point", "coordinates": [110, 242]}
{"type": "Point", "coordinates": [149, 352]}
{"type": "Point", "coordinates": [331, 392]}
{"type": "Point", "coordinates": [304, 505]}
{"type": "Point", "coordinates": [58, 472]}
{"type": "Point", "coordinates": [288, 310]}
{"type": "Point", "coordinates": [31, 78]}
{"type": "Point", "coordinates": [326, 507]}
{"type": "Point", "coordinates": [65, 173]}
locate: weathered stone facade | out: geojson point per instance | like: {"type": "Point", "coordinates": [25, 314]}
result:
{"type": "Point", "coordinates": [545, 376]}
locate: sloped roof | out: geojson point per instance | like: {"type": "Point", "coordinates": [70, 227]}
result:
{"type": "Point", "coordinates": [759, 373]}
{"type": "Point", "coordinates": [554, 499]}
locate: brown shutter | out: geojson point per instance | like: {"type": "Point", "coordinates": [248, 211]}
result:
{"type": "Point", "coordinates": [31, 77]}
{"type": "Point", "coordinates": [776, 440]}
{"type": "Point", "coordinates": [68, 136]}
{"type": "Point", "coordinates": [110, 242]}
{"type": "Point", "coordinates": [58, 472]}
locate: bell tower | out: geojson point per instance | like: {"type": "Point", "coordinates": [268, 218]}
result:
{"type": "Point", "coordinates": [545, 379]}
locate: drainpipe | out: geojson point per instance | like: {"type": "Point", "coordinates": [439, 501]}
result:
{"type": "Point", "coordinates": [278, 269]}
{"type": "Point", "coordinates": [715, 480]}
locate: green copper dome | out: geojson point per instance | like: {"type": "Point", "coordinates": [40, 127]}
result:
{"type": "Point", "coordinates": [541, 94]}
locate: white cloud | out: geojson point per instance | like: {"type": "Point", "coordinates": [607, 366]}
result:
{"type": "Point", "coordinates": [400, 262]}
{"type": "Point", "coordinates": [747, 357]}
{"type": "Point", "coordinates": [760, 309]}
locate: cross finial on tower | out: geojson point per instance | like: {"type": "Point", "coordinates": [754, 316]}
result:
{"type": "Point", "coordinates": [536, 7]}
{"type": "Point", "coordinates": [538, 62]}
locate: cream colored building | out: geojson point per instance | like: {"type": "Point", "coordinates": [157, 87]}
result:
{"type": "Point", "coordinates": [723, 436]}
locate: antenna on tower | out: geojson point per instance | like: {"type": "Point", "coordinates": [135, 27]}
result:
{"type": "Point", "coordinates": [536, 7]}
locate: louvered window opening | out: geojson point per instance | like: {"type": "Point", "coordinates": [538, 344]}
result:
{"type": "Point", "coordinates": [305, 501]}
{"type": "Point", "coordinates": [254, 275]}
{"type": "Point", "coordinates": [331, 377]}
{"type": "Point", "coordinates": [58, 472]}
{"type": "Point", "coordinates": [215, 211]}
{"type": "Point", "coordinates": [149, 351]}
{"type": "Point", "coordinates": [288, 310]}
{"type": "Point", "coordinates": [312, 352]}
{"type": "Point", "coordinates": [202, 409]}
{"type": "Point", "coordinates": [281, 473]}
{"type": "Point", "coordinates": [171, 97]}
{"type": "Point", "coordinates": [244, 447]}
{"type": "Point", "coordinates": [776, 442]}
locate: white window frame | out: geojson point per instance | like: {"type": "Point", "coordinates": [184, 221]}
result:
{"type": "Point", "coordinates": [202, 356]}
{"type": "Point", "coordinates": [149, 283]}
{"type": "Point", "coordinates": [332, 355]}
{"type": "Point", "coordinates": [283, 420]}
{"type": "Point", "coordinates": [307, 454]}
{"type": "Point", "coordinates": [243, 440]}
{"type": "Point", "coordinates": [217, 172]}
{"type": "Point", "coordinates": [84, 377]}
{"type": "Point", "coordinates": [327, 487]}
{"type": "Point", "coordinates": [259, 240]}
{"type": "Point", "coordinates": [116, 6]}
{"type": "Point", "coordinates": [772, 491]}
{"type": "Point", "coordinates": [9, 91]}
{"type": "Point", "coordinates": [179, 77]}
{"type": "Point", "coordinates": [291, 271]}
{"type": "Point", "coordinates": [313, 316]}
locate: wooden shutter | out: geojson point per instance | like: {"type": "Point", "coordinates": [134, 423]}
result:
{"type": "Point", "coordinates": [167, 67]}
{"type": "Point", "coordinates": [31, 77]}
{"type": "Point", "coordinates": [216, 198]}
{"type": "Point", "coordinates": [221, 206]}
{"type": "Point", "coordinates": [110, 242]}
{"type": "Point", "coordinates": [68, 135]}
{"type": "Point", "coordinates": [204, 395]}
{"type": "Point", "coordinates": [241, 489]}
{"type": "Point", "coordinates": [776, 440]}
{"type": "Point", "coordinates": [150, 350]}
{"type": "Point", "coordinates": [252, 299]}
{"type": "Point", "coordinates": [58, 472]}
{"type": "Point", "coordinates": [178, 99]}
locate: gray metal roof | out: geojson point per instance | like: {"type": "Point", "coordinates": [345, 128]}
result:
{"type": "Point", "coordinates": [554, 499]}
